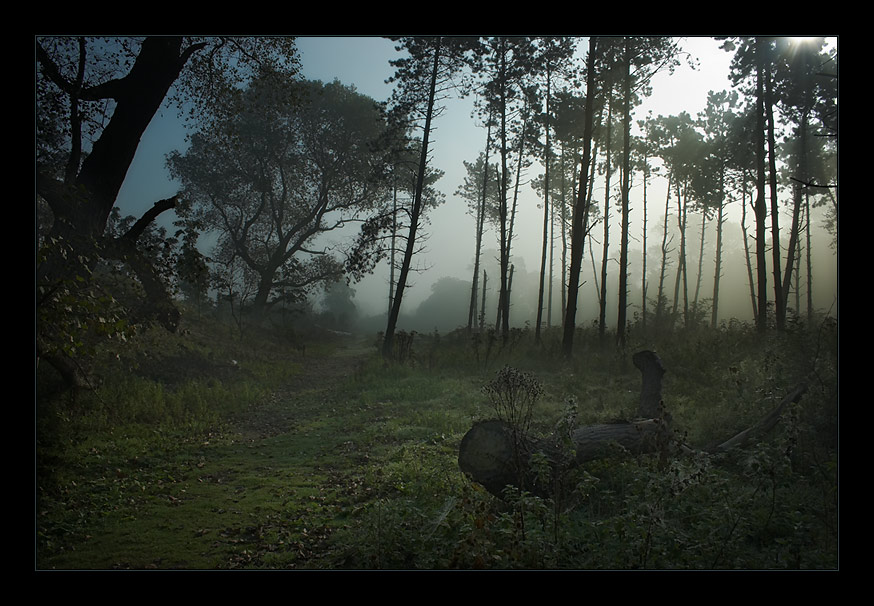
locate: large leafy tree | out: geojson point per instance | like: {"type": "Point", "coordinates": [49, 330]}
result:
{"type": "Point", "coordinates": [286, 163]}
{"type": "Point", "coordinates": [94, 99]}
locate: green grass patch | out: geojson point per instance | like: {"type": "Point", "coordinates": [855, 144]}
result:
{"type": "Point", "coordinates": [335, 459]}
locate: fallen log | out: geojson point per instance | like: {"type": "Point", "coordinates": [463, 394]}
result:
{"type": "Point", "coordinates": [765, 424]}
{"type": "Point", "coordinates": [490, 456]}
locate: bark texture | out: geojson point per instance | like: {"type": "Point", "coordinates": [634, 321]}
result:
{"type": "Point", "coordinates": [490, 454]}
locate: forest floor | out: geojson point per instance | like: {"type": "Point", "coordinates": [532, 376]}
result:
{"type": "Point", "coordinates": [215, 502]}
{"type": "Point", "coordinates": [319, 379]}
{"type": "Point", "coordinates": [207, 451]}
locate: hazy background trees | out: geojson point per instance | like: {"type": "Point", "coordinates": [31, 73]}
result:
{"type": "Point", "coordinates": [290, 185]}
{"type": "Point", "coordinates": [287, 163]}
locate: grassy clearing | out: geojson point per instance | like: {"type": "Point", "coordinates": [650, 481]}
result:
{"type": "Point", "coordinates": [217, 453]}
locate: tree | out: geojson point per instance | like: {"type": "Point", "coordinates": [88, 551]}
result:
{"type": "Point", "coordinates": [609, 160]}
{"type": "Point", "coordinates": [82, 161]}
{"type": "Point", "coordinates": [578, 230]}
{"type": "Point", "coordinates": [643, 149]}
{"type": "Point", "coordinates": [479, 189]}
{"type": "Point", "coordinates": [685, 154]}
{"type": "Point", "coordinates": [679, 146]}
{"type": "Point", "coordinates": [805, 93]}
{"type": "Point", "coordinates": [569, 125]}
{"type": "Point", "coordinates": [339, 304]}
{"type": "Point", "coordinates": [505, 65]}
{"type": "Point", "coordinates": [404, 160]}
{"type": "Point", "coordinates": [555, 54]}
{"type": "Point", "coordinates": [741, 178]}
{"type": "Point", "coordinates": [428, 60]}
{"type": "Point", "coordinates": [287, 163]}
{"type": "Point", "coordinates": [751, 61]}
{"type": "Point", "coordinates": [641, 57]}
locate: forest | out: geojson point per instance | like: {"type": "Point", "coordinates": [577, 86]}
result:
{"type": "Point", "coordinates": [634, 368]}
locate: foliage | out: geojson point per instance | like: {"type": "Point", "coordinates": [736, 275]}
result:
{"type": "Point", "coordinates": [75, 310]}
{"type": "Point", "coordinates": [95, 97]}
{"type": "Point", "coordinates": [294, 161]}
{"type": "Point", "coordinates": [203, 451]}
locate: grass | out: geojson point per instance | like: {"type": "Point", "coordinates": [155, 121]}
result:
{"type": "Point", "coordinates": [183, 459]}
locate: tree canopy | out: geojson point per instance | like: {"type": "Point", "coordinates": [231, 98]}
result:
{"type": "Point", "coordinates": [286, 163]}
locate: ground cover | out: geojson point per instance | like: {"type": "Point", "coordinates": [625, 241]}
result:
{"type": "Point", "coordinates": [263, 454]}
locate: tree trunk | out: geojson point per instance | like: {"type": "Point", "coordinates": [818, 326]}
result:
{"type": "Point", "coordinates": [580, 212]}
{"type": "Point", "coordinates": [809, 258]}
{"type": "Point", "coordinates": [81, 205]}
{"type": "Point", "coordinates": [388, 340]}
{"type": "Point", "coordinates": [391, 258]}
{"type": "Point", "coordinates": [81, 209]}
{"type": "Point", "coordinates": [491, 454]}
{"type": "Point", "coordinates": [605, 250]}
{"type": "Point", "coordinates": [717, 274]}
{"type": "Point", "coordinates": [652, 371]}
{"type": "Point", "coordinates": [643, 281]}
{"type": "Point", "coordinates": [138, 95]}
{"type": "Point", "coordinates": [626, 178]}
{"type": "Point", "coordinates": [760, 207]}
{"type": "Point", "coordinates": [747, 256]}
{"type": "Point", "coordinates": [796, 213]}
{"type": "Point", "coordinates": [779, 298]}
{"type": "Point", "coordinates": [564, 260]}
{"type": "Point", "coordinates": [503, 318]}
{"type": "Point", "coordinates": [546, 207]}
{"type": "Point", "coordinates": [482, 313]}
{"type": "Point", "coordinates": [681, 263]}
{"type": "Point", "coordinates": [488, 451]}
{"type": "Point", "coordinates": [551, 278]}
{"type": "Point", "coordinates": [480, 223]}
{"type": "Point", "coordinates": [700, 259]}
{"type": "Point", "coordinates": [660, 295]}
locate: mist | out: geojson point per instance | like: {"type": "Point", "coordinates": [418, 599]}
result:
{"type": "Point", "coordinates": [436, 302]}
{"type": "Point", "coordinates": [447, 254]}
{"type": "Point", "coordinates": [447, 237]}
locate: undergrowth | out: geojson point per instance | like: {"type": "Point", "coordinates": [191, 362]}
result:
{"type": "Point", "coordinates": [153, 469]}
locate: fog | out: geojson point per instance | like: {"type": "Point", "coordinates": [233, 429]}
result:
{"type": "Point", "coordinates": [438, 296]}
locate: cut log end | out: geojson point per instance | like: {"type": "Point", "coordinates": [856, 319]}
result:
{"type": "Point", "coordinates": [486, 454]}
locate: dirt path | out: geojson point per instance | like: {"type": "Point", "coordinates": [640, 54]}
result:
{"type": "Point", "coordinates": [319, 377]}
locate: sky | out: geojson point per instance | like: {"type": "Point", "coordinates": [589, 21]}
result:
{"type": "Point", "coordinates": [449, 249]}
{"type": "Point", "coordinates": [364, 63]}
